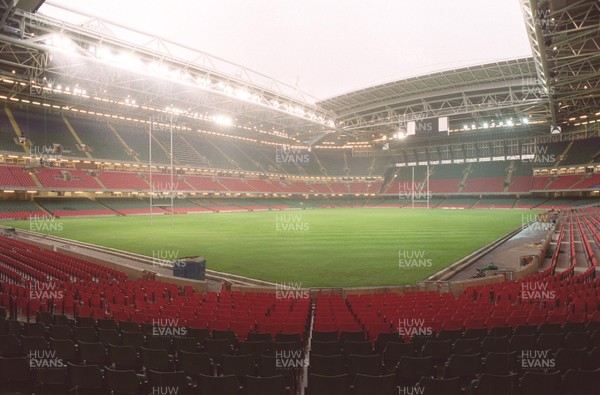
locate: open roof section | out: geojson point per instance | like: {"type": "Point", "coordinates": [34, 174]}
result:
{"type": "Point", "coordinates": [326, 48]}
{"type": "Point", "coordinates": [558, 85]}
{"type": "Point", "coordinates": [464, 94]}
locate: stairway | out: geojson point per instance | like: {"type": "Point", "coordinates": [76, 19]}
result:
{"type": "Point", "coordinates": [76, 136]}
{"type": "Point", "coordinates": [323, 169]}
{"type": "Point", "coordinates": [231, 161]}
{"type": "Point", "coordinates": [346, 168]}
{"type": "Point", "coordinates": [95, 177]}
{"type": "Point", "coordinates": [516, 203]}
{"type": "Point", "coordinates": [463, 182]}
{"type": "Point", "coordinates": [35, 179]}
{"type": "Point", "coordinates": [583, 178]}
{"type": "Point", "coordinates": [167, 152]}
{"type": "Point", "coordinates": [552, 179]}
{"type": "Point", "coordinates": [182, 152]}
{"type": "Point", "coordinates": [201, 158]}
{"type": "Point", "coordinates": [128, 149]}
{"type": "Point", "coordinates": [508, 180]}
{"type": "Point", "coordinates": [372, 167]}
{"type": "Point", "coordinates": [564, 154]}
{"type": "Point", "coordinates": [16, 128]}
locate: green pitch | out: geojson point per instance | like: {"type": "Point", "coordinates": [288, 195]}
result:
{"type": "Point", "coordinates": [318, 248]}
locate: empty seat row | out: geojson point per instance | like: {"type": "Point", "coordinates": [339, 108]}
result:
{"type": "Point", "coordinates": [16, 376]}
{"type": "Point", "coordinates": [572, 382]}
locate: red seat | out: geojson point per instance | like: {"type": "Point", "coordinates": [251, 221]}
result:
{"type": "Point", "coordinates": [241, 329]}
{"type": "Point", "coordinates": [517, 321]}
{"type": "Point", "coordinates": [555, 319]}
{"type": "Point", "coordinates": [493, 322]}
{"type": "Point", "coordinates": [272, 328]}
{"type": "Point", "coordinates": [198, 323]}
{"type": "Point", "coordinates": [84, 311]}
{"type": "Point", "coordinates": [325, 327]}
{"type": "Point", "coordinates": [452, 325]}
{"type": "Point", "coordinates": [139, 317]}
{"type": "Point", "coordinates": [120, 316]}
{"type": "Point", "coordinates": [349, 327]}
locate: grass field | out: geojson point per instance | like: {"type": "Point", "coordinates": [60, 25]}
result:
{"type": "Point", "coordinates": [318, 248]}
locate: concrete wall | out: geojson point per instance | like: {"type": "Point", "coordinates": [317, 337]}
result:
{"type": "Point", "coordinates": [457, 288]}
{"type": "Point", "coordinates": [135, 273]}
{"type": "Point", "coordinates": [540, 256]}
{"type": "Point", "coordinates": [401, 289]}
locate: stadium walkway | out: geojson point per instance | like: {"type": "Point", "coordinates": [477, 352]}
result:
{"type": "Point", "coordinates": [506, 256]}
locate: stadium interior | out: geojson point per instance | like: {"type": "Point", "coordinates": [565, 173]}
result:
{"type": "Point", "coordinates": [93, 127]}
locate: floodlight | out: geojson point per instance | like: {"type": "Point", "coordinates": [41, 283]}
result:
{"type": "Point", "coordinates": [174, 74]}
{"type": "Point", "coordinates": [130, 60]}
{"type": "Point", "coordinates": [158, 68]}
{"type": "Point", "coordinates": [103, 53]}
{"type": "Point", "coordinates": [223, 120]}
{"type": "Point", "coordinates": [61, 42]}
{"type": "Point", "coordinates": [203, 81]}
{"type": "Point", "coordinates": [242, 93]}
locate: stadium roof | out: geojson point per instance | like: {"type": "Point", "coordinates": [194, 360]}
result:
{"type": "Point", "coordinates": [466, 94]}
{"type": "Point", "coordinates": [320, 47]}
{"type": "Point", "coordinates": [565, 40]}
{"type": "Point", "coordinates": [558, 85]}
{"type": "Point", "coordinates": [51, 59]}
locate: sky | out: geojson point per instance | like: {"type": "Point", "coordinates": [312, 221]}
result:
{"type": "Point", "coordinates": [327, 47]}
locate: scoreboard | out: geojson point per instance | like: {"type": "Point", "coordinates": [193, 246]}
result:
{"type": "Point", "coordinates": [427, 127]}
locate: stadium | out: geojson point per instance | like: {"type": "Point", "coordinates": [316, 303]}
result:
{"type": "Point", "coordinates": [175, 223]}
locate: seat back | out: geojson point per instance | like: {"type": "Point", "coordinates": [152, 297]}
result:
{"type": "Point", "coordinates": [222, 385]}
{"type": "Point", "coordinates": [380, 385]}
{"type": "Point", "coordinates": [274, 385]}
{"type": "Point", "coordinates": [327, 385]}
{"type": "Point", "coordinates": [534, 383]}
